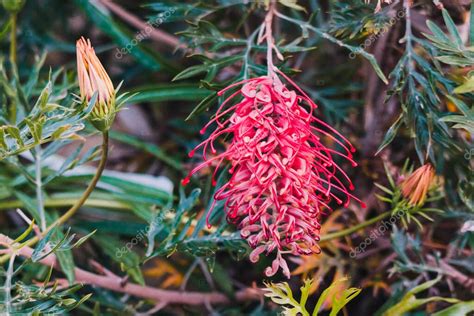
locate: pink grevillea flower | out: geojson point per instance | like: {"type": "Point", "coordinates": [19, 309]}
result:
{"type": "Point", "coordinates": [283, 177]}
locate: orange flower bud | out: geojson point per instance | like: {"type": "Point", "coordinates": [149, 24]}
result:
{"type": "Point", "coordinates": [93, 78]}
{"type": "Point", "coordinates": [416, 186]}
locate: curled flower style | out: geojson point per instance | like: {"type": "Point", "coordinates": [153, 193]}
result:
{"type": "Point", "coordinates": [415, 188]}
{"type": "Point", "coordinates": [94, 78]}
{"type": "Point", "coordinates": [283, 177]}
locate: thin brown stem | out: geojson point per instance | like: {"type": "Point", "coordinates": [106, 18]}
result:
{"type": "Point", "coordinates": [157, 35]}
{"type": "Point", "coordinates": [114, 283]}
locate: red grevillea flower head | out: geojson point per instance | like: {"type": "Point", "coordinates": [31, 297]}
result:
{"type": "Point", "coordinates": [283, 177]}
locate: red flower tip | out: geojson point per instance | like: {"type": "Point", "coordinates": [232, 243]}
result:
{"type": "Point", "coordinates": [185, 181]}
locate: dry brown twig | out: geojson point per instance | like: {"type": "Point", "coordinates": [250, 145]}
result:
{"type": "Point", "coordinates": [449, 271]}
{"type": "Point", "coordinates": [113, 282]}
{"type": "Point", "coordinates": [155, 34]}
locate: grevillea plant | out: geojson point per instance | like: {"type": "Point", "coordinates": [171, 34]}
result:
{"type": "Point", "coordinates": [283, 177]}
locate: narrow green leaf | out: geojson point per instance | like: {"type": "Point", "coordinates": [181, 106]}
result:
{"type": "Point", "coordinates": [459, 309]}
{"type": "Point", "coordinates": [390, 135]}
{"type": "Point", "coordinates": [65, 258]}
{"type": "Point", "coordinates": [167, 93]}
{"type": "Point", "coordinates": [25, 233]}
{"type": "Point", "coordinates": [203, 105]}
{"type": "Point", "coordinates": [14, 132]}
{"type": "Point", "coordinates": [452, 28]}
{"type": "Point", "coordinates": [3, 144]}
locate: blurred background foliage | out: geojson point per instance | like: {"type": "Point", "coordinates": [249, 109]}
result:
{"type": "Point", "coordinates": [398, 82]}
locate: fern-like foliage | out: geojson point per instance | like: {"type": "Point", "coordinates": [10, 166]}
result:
{"type": "Point", "coordinates": [282, 294]}
{"type": "Point", "coordinates": [44, 121]}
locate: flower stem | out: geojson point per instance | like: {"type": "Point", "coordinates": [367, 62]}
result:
{"type": "Point", "coordinates": [355, 228]}
{"type": "Point", "coordinates": [62, 202]}
{"type": "Point", "coordinates": [8, 285]}
{"type": "Point", "coordinates": [269, 38]}
{"type": "Point", "coordinates": [13, 29]}
{"type": "Point", "coordinates": [39, 188]}
{"type": "Point", "coordinates": [69, 213]}
{"type": "Point", "coordinates": [13, 19]}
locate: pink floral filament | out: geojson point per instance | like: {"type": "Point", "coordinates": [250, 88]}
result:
{"type": "Point", "coordinates": [282, 177]}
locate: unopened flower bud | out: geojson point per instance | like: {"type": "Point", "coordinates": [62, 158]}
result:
{"type": "Point", "coordinates": [415, 187]}
{"type": "Point", "coordinates": [93, 78]}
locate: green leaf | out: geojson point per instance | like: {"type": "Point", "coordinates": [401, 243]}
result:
{"type": "Point", "coordinates": [356, 50]}
{"type": "Point", "coordinates": [36, 129]}
{"type": "Point", "coordinates": [3, 144]}
{"type": "Point", "coordinates": [65, 258]}
{"type": "Point", "coordinates": [410, 302]}
{"type": "Point", "coordinates": [38, 252]}
{"type": "Point", "coordinates": [471, 25]}
{"type": "Point", "coordinates": [83, 239]}
{"type": "Point", "coordinates": [345, 297]}
{"type": "Point", "coordinates": [223, 280]}
{"type": "Point", "coordinates": [147, 147]}
{"type": "Point", "coordinates": [292, 4]}
{"type": "Point", "coordinates": [390, 135]}
{"type": "Point", "coordinates": [167, 93]}
{"type": "Point", "coordinates": [452, 29]}
{"type": "Point", "coordinates": [191, 72]}
{"type": "Point", "coordinates": [466, 87]}
{"type": "Point", "coordinates": [459, 309]}
{"type": "Point", "coordinates": [5, 29]}
{"type": "Point", "coordinates": [281, 294]}
{"type": "Point", "coordinates": [14, 132]}
{"type": "Point", "coordinates": [203, 105]}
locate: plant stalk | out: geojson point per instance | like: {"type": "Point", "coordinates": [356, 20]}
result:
{"type": "Point", "coordinates": [13, 28]}
{"type": "Point", "coordinates": [69, 213]}
{"type": "Point", "coordinates": [355, 228]}
{"type": "Point", "coordinates": [8, 285]}
{"type": "Point", "coordinates": [39, 188]}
